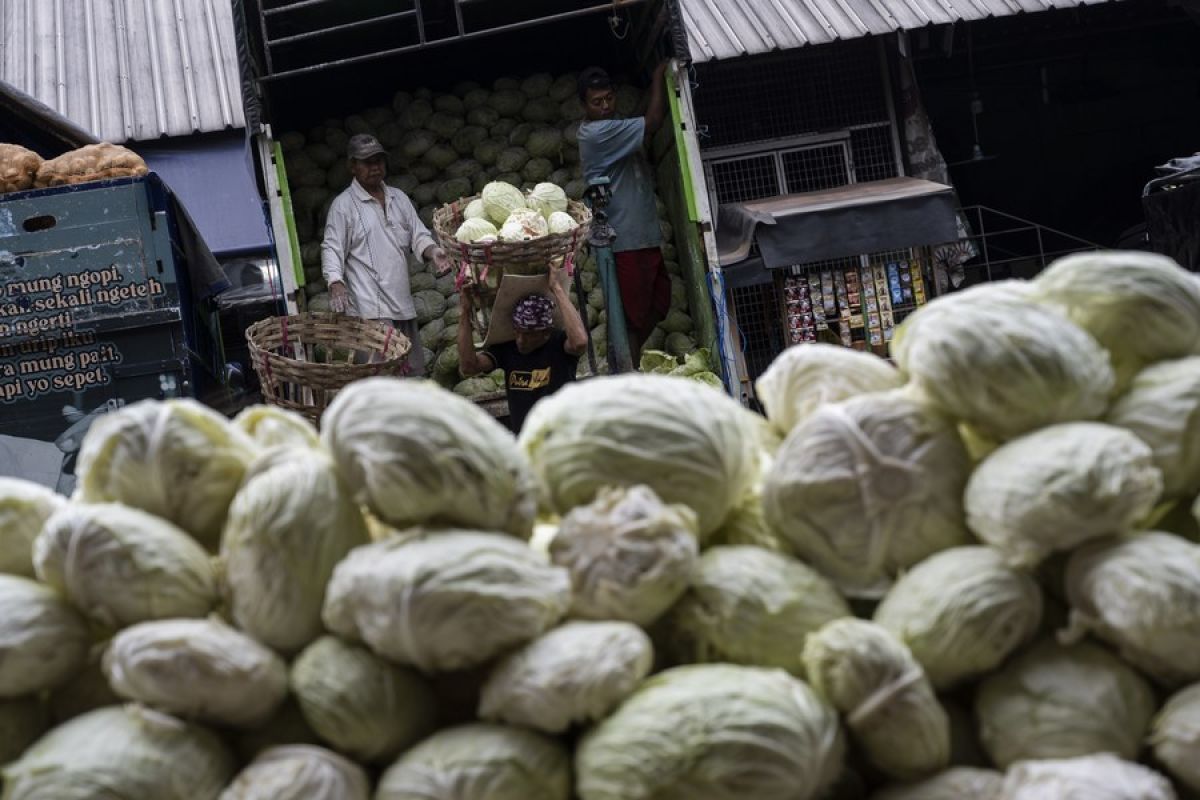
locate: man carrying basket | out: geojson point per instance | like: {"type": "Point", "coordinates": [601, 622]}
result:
{"type": "Point", "coordinates": [369, 232]}
{"type": "Point", "coordinates": [536, 336]}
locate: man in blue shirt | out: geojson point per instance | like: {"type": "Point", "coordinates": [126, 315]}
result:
{"type": "Point", "coordinates": [614, 148]}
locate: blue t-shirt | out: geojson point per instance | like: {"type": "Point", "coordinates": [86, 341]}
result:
{"type": "Point", "coordinates": [612, 148]}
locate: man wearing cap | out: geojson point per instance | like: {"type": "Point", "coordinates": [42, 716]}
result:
{"type": "Point", "coordinates": [370, 229]}
{"type": "Point", "coordinates": [540, 360]}
{"type": "Point", "coordinates": [613, 148]}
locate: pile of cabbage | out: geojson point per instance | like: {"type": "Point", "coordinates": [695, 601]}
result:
{"type": "Point", "coordinates": [514, 146]}
{"type": "Point", "coordinates": [879, 591]}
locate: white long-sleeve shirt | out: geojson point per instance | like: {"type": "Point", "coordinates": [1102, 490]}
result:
{"type": "Point", "coordinates": [366, 246]}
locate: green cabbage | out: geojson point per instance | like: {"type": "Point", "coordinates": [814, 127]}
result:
{"type": "Point", "coordinates": [717, 732]}
{"type": "Point", "coordinates": [197, 668]}
{"type": "Point", "coordinates": [480, 761]}
{"type": "Point", "coordinates": [119, 565]}
{"type": "Point", "coordinates": [867, 487]}
{"type": "Point", "coordinates": [512, 161]}
{"type": "Point", "coordinates": [537, 85]}
{"type": "Point", "coordinates": [411, 450]}
{"type": "Point", "coordinates": [508, 102]}
{"type": "Point", "coordinates": [750, 606]}
{"type": "Point", "coordinates": [575, 674]}
{"type": "Point", "coordinates": [806, 377]}
{"type": "Point", "coordinates": [1142, 307]}
{"type": "Point", "coordinates": [43, 641]}
{"type": "Point", "coordinates": [121, 752]}
{"type": "Point", "coordinates": [1141, 594]}
{"type": "Point", "coordinates": [359, 703]}
{"type": "Point", "coordinates": [990, 357]}
{"type": "Point", "coordinates": [24, 508]}
{"type": "Point", "coordinates": [500, 200]}
{"type": "Point", "coordinates": [1162, 407]}
{"type": "Point", "coordinates": [474, 229]}
{"type": "Point", "coordinates": [290, 524]}
{"type": "Point", "coordinates": [956, 783]}
{"type": "Point", "coordinates": [1101, 776]}
{"type": "Point", "coordinates": [889, 705]}
{"type": "Point", "coordinates": [630, 556]}
{"type": "Point", "coordinates": [544, 142]}
{"type": "Point", "coordinates": [474, 210]}
{"type": "Point", "coordinates": [449, 600]}
{"type": "Point", "coordinates": [175, 459]}
{"type": "Point", "coordinates": [22, 721]}
{"type": "Point", "coordinates": [546, 198]}
{"type": "Point", "coordinates": [962, 612]}
{"type": "Point", "coordinates": [697, 449]}
{"type": "Point", "coordinates": [1055, 488]}
{"type": "Point", "coordinates": [272, 426]}
{"type": "Point", "coordinates": [300, 772]}
{"type": "Point", "coordinates": [537, 170]}
{"type": "Point", "coordinates": [1056, 701]}
{"type": "Point", "coordinates": [1175, 736]}
{"type": "Point", "coordinates": [453, 189]}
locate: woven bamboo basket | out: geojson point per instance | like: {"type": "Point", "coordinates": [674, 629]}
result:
{"type": "Point", "coordinates": [483, 266]}
{"type": "Point", "coordinates": [303, 360]}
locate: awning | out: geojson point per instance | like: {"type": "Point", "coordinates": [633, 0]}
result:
{"type": "Point", "coordinates": [212, 176]}
{"type": "Point", "coordinates": [852, 220]}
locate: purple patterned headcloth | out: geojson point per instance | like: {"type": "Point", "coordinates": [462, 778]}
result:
{"type": "Point", "coordinates": [533, 313]}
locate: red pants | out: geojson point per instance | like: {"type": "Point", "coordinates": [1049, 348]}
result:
{"type": "Point", "coordinates": [645, 289]}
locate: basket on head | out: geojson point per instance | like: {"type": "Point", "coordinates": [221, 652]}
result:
{"type": "Point", "coordinates": [304, 359]}
{"type": "Point", "coordinates": [484, 265]}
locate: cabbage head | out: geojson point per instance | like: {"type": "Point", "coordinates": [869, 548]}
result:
{"type": "Point", "coordinates": [750, 606]}
{"type": "Point", "coordinates": [868, 675]}
{"type": "Point", "coordinates": [868, 487]}
{"type": "Point", "coordinates": [805, 377]}
{"type": "Point", "coordinates": [1141, 307]}
{"type": "Point", "coordinates": [561, 222]}
{"type": "Point", "coordinates": [449, 600]}
{"type": "Point", "coordinates": [546, 198]}
{"type": "Point", "coordinates": [524, 225]}
{"type": "Point", "coordinates": [175, 459]}
{"type": "Point", "coordinates": [1141, 594]}
{"type": "Point", "coordinates": [962, 612]}
{"type": "Point", "coordinates": [1175, 736]}
{"type": "Point", "coordinates": [577, 673]}
{"type": "Point", "coordinates": [1162, 407]}
{"type": "Point", "coordinates": [197, 668]}
{"type": "Point", "coordinates": [43, 641]}
{"type": "Point", "coordinates": [24, 508]}
{"type": "Point", "coordinates": [121, 752]}
{"type": "Point", "coordinates": [290, 524]}
{"type": "Point", "coordinates": [691, 445]}
{"type": "Point", "coordinates": [119, 565]}
{"type": "Point", "coordinates": [1060, 486]}
{"type": "Point", "coordinates": [300, 772]}
{"type": "Point", "coordinates": [272, 426]}
{"type": "Point", "coordinates": [993, 359]}
{"type": "Point", "coordinates": [359, 703]}
{"type": "Point", "coordinates": [474, 210]}
{"type": "Point", "coordinates": [480, 761]}
{"type": "Point", "coordinates": [956, 783]}
{"type": "Point", "coordinates": [415, 453]}
{"type": "Point", "coordinates": [719, 732]}
{"type": "Point", "coordinates": [475, 229]}
{"type": "Point", "coordinates": [630, 556]}
{"type": "Point", "coordinates": [22, 721]}
{"type": "Point", "coordinates": [1058, 701]}
{"type": "Point", "coordinates": [1101, 776]}
{"type": "Point", "coordinates": [500, 200]}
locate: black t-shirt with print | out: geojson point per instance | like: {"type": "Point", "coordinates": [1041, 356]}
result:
{"type": "Point", "coordinates": [528, 377]}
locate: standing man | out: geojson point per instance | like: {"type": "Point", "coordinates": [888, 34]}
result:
{"type": "Point", "coordinates": [613, 148]}
{"type": "Point", "coordinates": [540, 360]}
{"type": "Point", "coordinates": [369, 232]}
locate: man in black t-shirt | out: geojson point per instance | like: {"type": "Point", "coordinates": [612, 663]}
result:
{"type": "Point", "coordinates": [540, 360]}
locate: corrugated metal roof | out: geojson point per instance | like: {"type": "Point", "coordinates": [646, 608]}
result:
{"type": "Point", "coordinates": [720, 29]}
{"type": "Point", "coordinates": [126, 69]}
